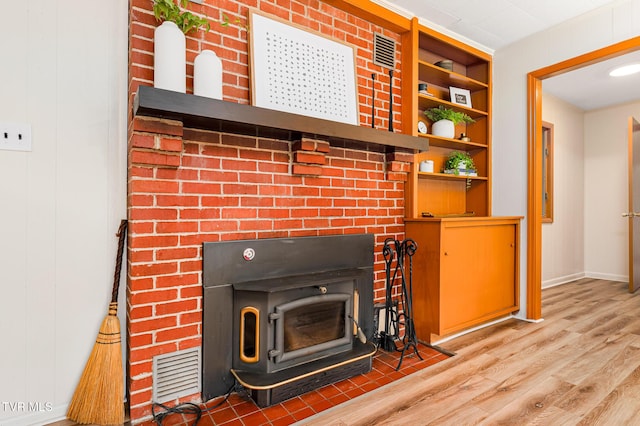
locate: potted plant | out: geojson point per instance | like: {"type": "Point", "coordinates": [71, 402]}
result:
{"type": "Point", "coordinates": [459, 162]}
{"type": "Point", "coordinates": [444, 120]}
{"type": "Point", "coordinates": [168, 10]}
{"type": "Point", "coordinates": [169, 50]}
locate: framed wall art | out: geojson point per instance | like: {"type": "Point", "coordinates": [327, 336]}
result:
{"type": "Point", "coordinates": [298, 71]}
{"type": "Point", "coordinates": [460, 96]}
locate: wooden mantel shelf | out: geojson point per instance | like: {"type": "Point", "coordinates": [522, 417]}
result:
{"type": "Point", "coordinates": [212, 114]}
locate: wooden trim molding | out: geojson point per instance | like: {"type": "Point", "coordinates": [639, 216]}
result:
{"type": "Point", "coordinates": [587, 59]}
{"type": "Point", "coordinates": [534, 135]}
{"type": "Point", "coordinates": [630, 207]}
{"type": "Point", "coordinates": [374, 13]}
{"type": "Point", "coordinates": [534, 209]}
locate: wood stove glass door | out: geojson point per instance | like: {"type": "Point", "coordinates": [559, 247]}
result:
{"type": "Point", "coordinates": [312, 325]}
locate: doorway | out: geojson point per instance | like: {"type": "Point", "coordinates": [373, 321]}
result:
{"type": "Point", "coordinates": [535, 160]}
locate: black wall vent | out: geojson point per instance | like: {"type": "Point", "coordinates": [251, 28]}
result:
{"type": "Point", "coordinates": [384, 51]}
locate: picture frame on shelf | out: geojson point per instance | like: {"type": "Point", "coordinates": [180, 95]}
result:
{"type": "Point", "coordinates": [460, 96]}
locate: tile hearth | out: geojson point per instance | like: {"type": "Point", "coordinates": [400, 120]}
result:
{"type": "Point", "coordinates": [242, 411]}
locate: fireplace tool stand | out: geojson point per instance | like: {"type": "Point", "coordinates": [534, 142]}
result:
{"type": "Point", "coordinates": [399, 252]}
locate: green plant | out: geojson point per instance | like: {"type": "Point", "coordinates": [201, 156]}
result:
{"type": "Point", "coordinates": [457, 157]}
{"type": "Point", "coordinates": [168, 10]}
{"type": "Point", "coordinates": [443, 113]}
{"type": "Point", "coordinates": [226, 22]}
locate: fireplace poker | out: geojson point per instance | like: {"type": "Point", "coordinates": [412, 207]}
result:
{"type": "Point", "coordinates": [399, 251]}
{"type": "Point", "coordinates": [386, 340]}
{"type": "Point", "coordinates": [406, 249]}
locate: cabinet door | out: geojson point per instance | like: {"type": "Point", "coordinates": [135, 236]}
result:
{"type": "Point", "coordinates": [478, 274]}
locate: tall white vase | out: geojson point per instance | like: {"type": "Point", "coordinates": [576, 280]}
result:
{"type": "Point", "coordinates": [444, 128]}
{"type": "Point", "coordinates": [169, 58]}
{"type": "Point", "coordinates": [207, 75]}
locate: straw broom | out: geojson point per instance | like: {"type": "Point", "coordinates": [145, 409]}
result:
{"type": "Point", "coordinates": [99, 397]}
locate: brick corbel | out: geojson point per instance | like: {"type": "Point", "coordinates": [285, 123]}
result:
{"type": "Point", "coordinates": [309, 155]}
{"type": "Point", "coordinates": [156, 142]}
{"type": "Point", "coordinates": [398, 164]}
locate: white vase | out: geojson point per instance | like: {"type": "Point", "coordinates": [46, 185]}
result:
{"type": "Point", "coordinates": [169, 58]}
{"type": "Point", "coordinates": [207, 75]}
{"type": "Point", "coordinates": [444, 128]}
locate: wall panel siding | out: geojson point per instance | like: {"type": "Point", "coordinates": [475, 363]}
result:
{"type": "Point", "coordinates": [61, 202]}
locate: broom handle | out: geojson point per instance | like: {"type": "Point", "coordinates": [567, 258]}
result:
{"type": "Point", "coordinates": [116, 277]}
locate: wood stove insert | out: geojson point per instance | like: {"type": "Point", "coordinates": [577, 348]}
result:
{"type": "Point", "coordinates": [280, 314]}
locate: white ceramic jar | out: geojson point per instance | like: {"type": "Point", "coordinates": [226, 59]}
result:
{"type": "Point", "coordinates": [207, 75]}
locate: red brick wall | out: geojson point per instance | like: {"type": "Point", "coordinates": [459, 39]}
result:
{"type": "Point", "coordinates": [188, 186]}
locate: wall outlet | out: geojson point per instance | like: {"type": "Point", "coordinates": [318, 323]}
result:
{"type": "Point", "coordinates": [15, 136]}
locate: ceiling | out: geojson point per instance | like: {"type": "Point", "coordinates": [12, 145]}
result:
{"type": "Point", "coordinates": [494, 24]}
{"type": "Point", "coordinates": [591, 87]}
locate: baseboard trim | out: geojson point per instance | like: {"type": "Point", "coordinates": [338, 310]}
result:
{"type": "Point", "coordinates": [469, 330]}
{"type": "Point", "coordinates": [587, 274]}
{"type": "Point", "coordinates": [609, 277]}
{"type": "Point", "coordinates": [562, 280]}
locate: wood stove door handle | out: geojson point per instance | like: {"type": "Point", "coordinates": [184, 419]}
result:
{"type": "Point", "coordinates": [274, 353]}
{"type": "Point", "coordinates": [249, 334]}
{"type": "Point", "coordinates": [274, 316]}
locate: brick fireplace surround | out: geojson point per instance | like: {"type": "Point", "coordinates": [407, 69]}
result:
{"type": "Point", "coordinates": [187, 186]}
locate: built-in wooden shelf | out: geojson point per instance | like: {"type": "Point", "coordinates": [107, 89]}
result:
{"type": "Point", "coordinates": [212, 114]}
{"type": "Point", "coordinates": [439, 141]}
{"type": "Point", "coordinates": [447, 176]}
{"type": "Point", "coordinates": [426, 102]}
{"type": "Point", "coordinates": [441, 77]}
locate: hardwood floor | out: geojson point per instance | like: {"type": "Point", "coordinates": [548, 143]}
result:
{"type": "Point", "coordinates": [580, 366]}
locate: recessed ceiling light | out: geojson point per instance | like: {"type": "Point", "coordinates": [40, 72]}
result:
{"type": "Point", "coordinates": [625, 70]}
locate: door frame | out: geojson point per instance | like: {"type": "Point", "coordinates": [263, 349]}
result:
{"type": "Point", "coordinates": [534, 166]}
{"type": "Point", "coordinates": [633, 127]}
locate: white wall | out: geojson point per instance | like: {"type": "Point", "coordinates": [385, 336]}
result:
{"type": "Point", "coordinates": [563, 240]}
{"type": "Point", "coordinates": [588, 236]}
{"type": "Point", "coordinates": [64, 71]}
{"type": "Point", "coordinates": [606, 239]}
{"type": "Point", "coordinates": [602, 27]}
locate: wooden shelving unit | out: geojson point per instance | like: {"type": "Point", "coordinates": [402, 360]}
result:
{"type": "Point", "coordinates": [436, 192]}
{"type": "Point", "coordinates": [466, 266]}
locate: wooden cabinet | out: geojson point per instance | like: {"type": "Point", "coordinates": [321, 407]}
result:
{"type": "Point", "coordinates": [438, 193]}
{"type": "Point", "coordinates": [465, 272]}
